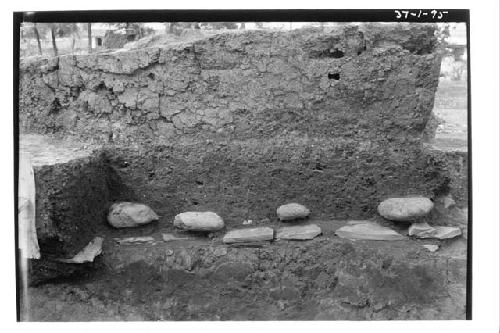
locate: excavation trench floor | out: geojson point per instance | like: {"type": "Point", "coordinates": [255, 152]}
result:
{"type": "Point", "coordinates": [200, 278]}
{"type": "Point", "coordinates": [327, 278]}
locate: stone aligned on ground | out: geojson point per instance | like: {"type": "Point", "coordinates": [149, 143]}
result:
{"type": "Point", "coordinates": [198, 221]}
{"type": "Point", "coordinates": [431, 247]}
{"type": "Point", "coordinates": [292, 211]}
{"type": "Point", "coordinates": [170, 237]}
{"type": "Point", "coordinates": [302, 232]}
{"type": "Point", "coordinates": [249, 235]}
{"type": "Point", "coordinates": [424, 230]}
{"type": "Point", "coordinates": [367, 230]}
{"type": "Point", "coordinates": [405, 209]}
{"type": "Point", "coordinates": [135, 240]}
{"type": "Point", "coordinates": [87, 254]}
{"type": "Point", "coordinates": [130, 214]}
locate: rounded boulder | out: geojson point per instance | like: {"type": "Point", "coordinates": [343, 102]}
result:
{"type": "Point", "coordinates": [292, 211]}
{"type": "Point", "coordinates": [405, 209]}
{"type": "Point", "coordinates": [130, 214]}
{"type": "Point", "coordinates": [198, 221]}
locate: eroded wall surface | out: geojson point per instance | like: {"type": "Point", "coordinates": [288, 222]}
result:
{"type": "Point", "coordinates": [242, 123]}
{"type": "Point", "coordinates": [366, 83]}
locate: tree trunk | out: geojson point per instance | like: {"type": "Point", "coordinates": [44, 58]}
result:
{"type": "Point", "coordinates": [89, 36]}
{"type": "Point", "coordinates": [38, 39]}
{"type": "Point", "coordinates": [171, 28]}
{"type": "Point", "coordinates": [53, 35]}
{"type": "Point", "coordinates": [242, 26]}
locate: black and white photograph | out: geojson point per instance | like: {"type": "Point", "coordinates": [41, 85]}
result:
{"type": "Point", "coordinates": [249, 168]}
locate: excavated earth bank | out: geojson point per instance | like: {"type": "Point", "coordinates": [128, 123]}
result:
{"type": "Point", "coordinates": [239, 124]}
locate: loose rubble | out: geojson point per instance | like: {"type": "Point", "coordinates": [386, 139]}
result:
{"type": "Point", "coordinates": [303, 232]}
{"type": "Point", "coordinates": [130, 214]}
{"type": "Point", "coordinates": [405, 209]}
{"type": "Point", "coordinates": [367, 230]}
{"type": "Point", "coordinates": [249, 235]}
{"type": "Point", "coordinates": [198, 221]}
{"type": "Point", "coordinates": [292, 211]}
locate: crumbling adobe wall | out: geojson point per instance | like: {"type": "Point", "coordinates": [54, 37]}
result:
{"type": "Point", "coordinates": [372, 82]}
{"type": "Point", "coordinates": [240, 123]}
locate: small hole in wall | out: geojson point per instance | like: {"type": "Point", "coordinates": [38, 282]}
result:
{"type": "Point", "coordinates": [334, 76]}
{"type": "Point", "coordinates": [336, 53]}
{"type": "Point", "coordinates": [151, 76]}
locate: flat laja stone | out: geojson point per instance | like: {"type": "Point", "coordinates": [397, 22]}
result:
{"type": "Point", "coordinates": [249, 235]}
{"type": "Point", "coordinates": [170, 237]}
{"type": "Point", "coordinates": [198, 221]}
{"type": "Point", "coordinates": [368, 230]}
{"type": "Point", "coordinates": [130, 214]}
{"type": "Point", "coordinates": [424, 230]}
{"type": "Point", "coordinates": [88, 254]}
{"type": "Point", "coordinates": [135, 240]}
{"type": "Point", "coordinates": [302, 232]}
{"type": "Point", "coordinates": [292, 211]}
{"type": "Point", "coordinates": [419, 228]}
{"type": "Point", "coordinates": [405, 209]}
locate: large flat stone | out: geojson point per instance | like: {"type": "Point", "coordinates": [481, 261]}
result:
{"type": "Point", "coordinates": [302, 232]}
{"type": "Point", "coordinates": [367, 230]}
{"type": "Point", "coordinates": [424, 230]}
{"type": "Point", "coordinates": [249, 235]}
{"type": "Point", "coordinates": [405, 209]}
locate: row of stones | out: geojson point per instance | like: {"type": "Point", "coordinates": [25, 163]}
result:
{"type": "Point", "coordinates": [128, 214]}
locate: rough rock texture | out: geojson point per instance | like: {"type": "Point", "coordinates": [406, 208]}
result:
{"type": "Point", "coordinates": [198, 221]}
{"type": "Point", "coordinates": [322, 279]}
{"type": "Point", "coordinates": [130, 214]}
{"type": "Point", "coordinates": [368, 230]}
{"type": "Point", "coordinates": [424, 230]}
{"type": "Point", "coordinates": [417, 228]}
{"type": "Point", "coordinates": [292, 211]}
{"type": "Point", "coordinates": [367, 83]}
{"type": "Point", "coordinates": [249, 235]}
{"type": "Point", "coordinates": [300, 232]}
{"type": "Point", "coordinates": [405, 209]}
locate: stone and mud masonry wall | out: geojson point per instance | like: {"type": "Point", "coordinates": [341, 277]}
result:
{"type": "Point", "coordinates": [232, 137]}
